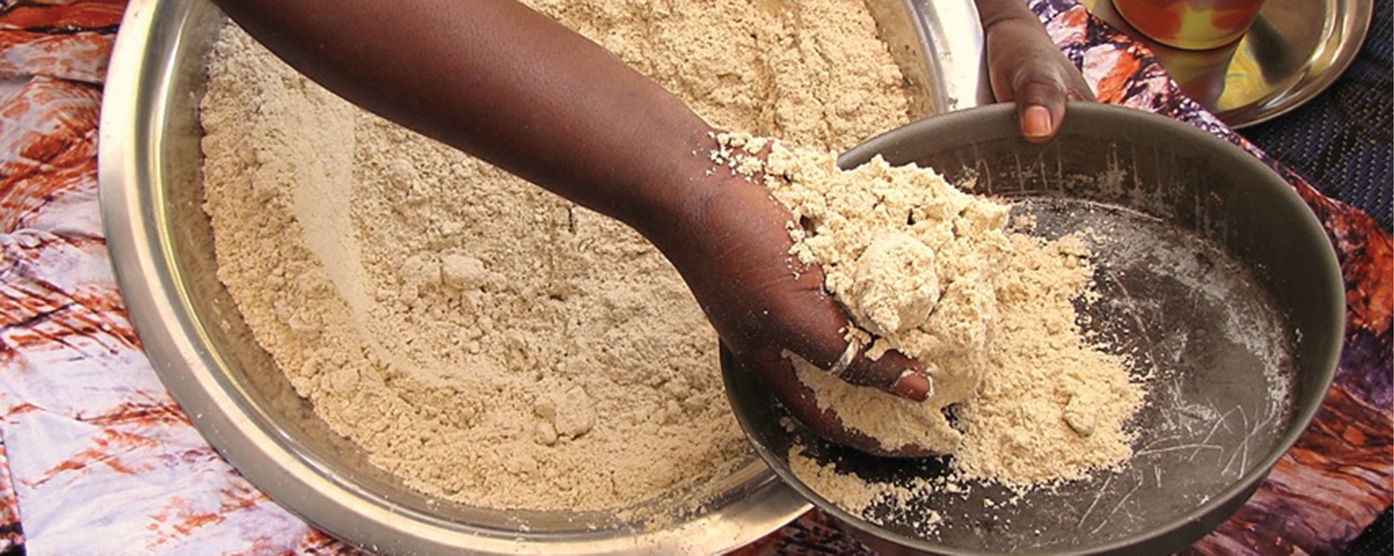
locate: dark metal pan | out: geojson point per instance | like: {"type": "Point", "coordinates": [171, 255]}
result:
{"type": "Point", "coordinates": [1212, 273]}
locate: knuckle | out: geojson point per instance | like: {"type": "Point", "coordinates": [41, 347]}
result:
{"type": "Point", "coordinates": [1034, 80]}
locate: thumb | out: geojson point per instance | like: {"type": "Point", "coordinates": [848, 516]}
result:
{"type": "Point", "coordinates": [1041, 96]}
{"type": "Point", "coordinates": [1025, 67]}
{"type": "Point", "coordinates": [1040, 105]}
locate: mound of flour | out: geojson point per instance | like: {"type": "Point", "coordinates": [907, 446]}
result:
{"type": "Point", "coordinates": [935, 273]}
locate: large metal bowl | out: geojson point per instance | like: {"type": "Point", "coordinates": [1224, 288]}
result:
{"type": "Point", "coordinates": [162, 250]}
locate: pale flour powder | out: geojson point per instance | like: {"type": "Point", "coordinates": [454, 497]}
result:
{"type": "Point", "coordinates": [479, 337]}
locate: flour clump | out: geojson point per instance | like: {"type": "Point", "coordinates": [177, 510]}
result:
{"type": "Point", "coordinates": [895, 286]}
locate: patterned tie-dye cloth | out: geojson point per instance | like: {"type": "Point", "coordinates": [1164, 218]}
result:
{"type": "Point", "coordinates": [97, 459]}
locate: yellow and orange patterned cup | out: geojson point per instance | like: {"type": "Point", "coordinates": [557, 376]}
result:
{"type": "Point", "coordinates": [1190, 24]}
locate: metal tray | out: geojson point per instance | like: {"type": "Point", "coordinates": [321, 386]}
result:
{"type": "Point", "coordinates": [161, 246]}
{"type": "Point", "coordinates": [1293, 52]}
{"type": "Point", "coordinates": [1208, 266]}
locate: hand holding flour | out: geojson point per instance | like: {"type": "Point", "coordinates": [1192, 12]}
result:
{"type": "Point", "coordinates": [512, 87]}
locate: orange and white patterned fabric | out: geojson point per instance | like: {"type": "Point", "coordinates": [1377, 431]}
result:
{"type": "Point", "coordinates": [98, 458]}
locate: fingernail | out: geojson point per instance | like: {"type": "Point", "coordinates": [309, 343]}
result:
{"type": "Point", "coordinates": [912, 385]}
{"type": "Point", "coordinates": [1035, 122]}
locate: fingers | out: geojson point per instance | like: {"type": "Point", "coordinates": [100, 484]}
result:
{"type": "Point", "coordinates": [818, 334]}
{"type": "Point", "coordinates": [777, 373]}
{"type": "Point", "coordinates": [892, 372]}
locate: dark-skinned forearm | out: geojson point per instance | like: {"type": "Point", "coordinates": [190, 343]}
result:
{"type": "Point", "coordinates": [502, 82]}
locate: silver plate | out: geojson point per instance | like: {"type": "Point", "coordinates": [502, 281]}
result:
{"type": "Point", "coordinates": [161, 246]}
{"type": "Point", "coordinates": [1294, 51]}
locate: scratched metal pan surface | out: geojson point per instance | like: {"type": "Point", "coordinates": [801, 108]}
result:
{"type": "Point", "coordinates": [1213, 276]}
{"type": "Point", "coordinates": [161, 246]}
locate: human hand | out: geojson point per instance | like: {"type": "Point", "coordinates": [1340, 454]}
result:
{"type": "Point", "coordinates": [1025, 67]}
{"type": "Point", "coordinates": [732, 247]}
